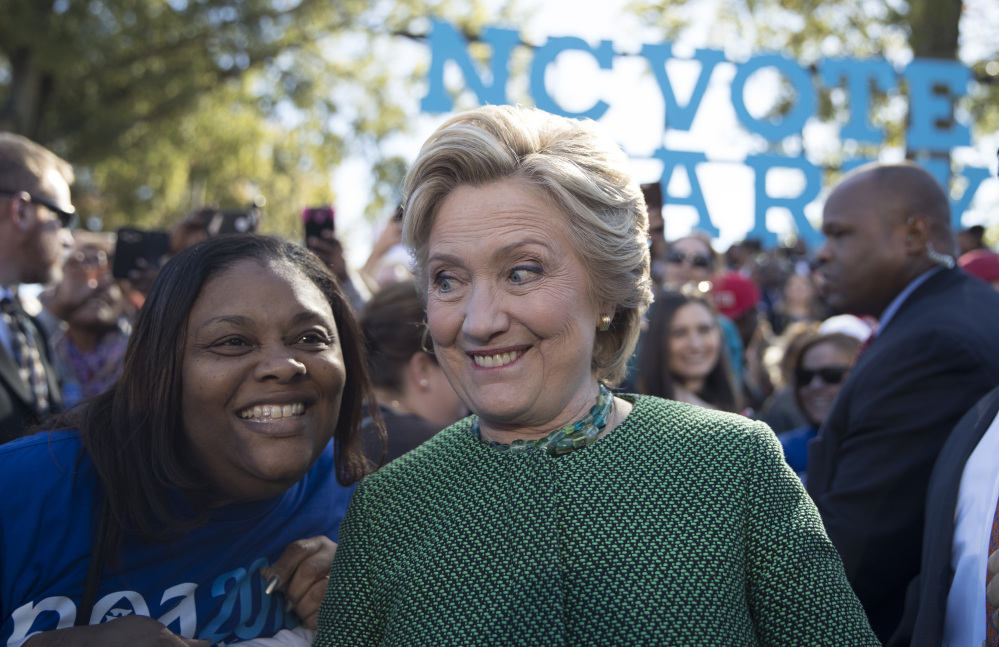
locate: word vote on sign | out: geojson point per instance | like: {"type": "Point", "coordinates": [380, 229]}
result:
{"type": "Point", "coordinates": [933, 88]}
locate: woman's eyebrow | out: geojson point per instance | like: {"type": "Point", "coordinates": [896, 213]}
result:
{"type": "Point", "coordinates": [447, 259]}
{"type": "Point", "coordinates": [243, 320]}
{"type": "Point", "coordinates": [517, 245]}
{"type": "Point", "coordinates": [500, 252]}
{"type": "Point", "coordinates": [236, 320]}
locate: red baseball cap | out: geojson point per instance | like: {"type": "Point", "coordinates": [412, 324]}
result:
{"type": "Point", "coordinates": [735, 295]}
{"type": "Point", "coordinates": [982, 263]}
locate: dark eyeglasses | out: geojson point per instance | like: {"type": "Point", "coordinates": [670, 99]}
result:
{"type": "Point", "coordinates": [828, 374]}
{"type": "Point", "coordinates": [677, 258]}
{"type": "Point", "coordinates": [67, 218]}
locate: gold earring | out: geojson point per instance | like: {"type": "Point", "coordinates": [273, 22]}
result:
{"type": "Point", "coordinates": [605, 323]}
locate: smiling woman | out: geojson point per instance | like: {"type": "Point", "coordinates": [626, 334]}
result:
{"type": "Point", "coordinates": [261, 386]}
{"type": "Point", "coordinates": [820, 364]}
{"type": "Point", "coordinates": [560, 513]}
{"type": "Point", "coordinates": [222, 459]}
{"type": "Point", "coordinates": [682, 356]}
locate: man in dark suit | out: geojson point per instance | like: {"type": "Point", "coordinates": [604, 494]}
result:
{"type": "Point", "coordinates": [889, 254]}
{"type": "Point", "coordinates": [938, 604]}
{"type": "Point", "coordinates": [35, 213]}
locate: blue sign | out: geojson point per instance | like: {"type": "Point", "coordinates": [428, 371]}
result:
{"type": "Point", "coordinates": [933, 88]}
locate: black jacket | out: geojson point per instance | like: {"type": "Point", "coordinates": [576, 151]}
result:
{"type": "Point", "coordinates": [869, 468]}
{"type": "Point", "coordinates": [17, 412]}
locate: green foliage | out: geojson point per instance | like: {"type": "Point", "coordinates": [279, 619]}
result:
{"type": "Point", "coordinates": [165, 105]}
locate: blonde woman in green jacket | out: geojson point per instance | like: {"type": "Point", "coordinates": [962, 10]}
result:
{"type": "Point", "coordinates": [559, 513]}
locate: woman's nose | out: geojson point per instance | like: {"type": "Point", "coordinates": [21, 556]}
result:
{"type": "Point", "coordinates": [484, 314]}
{"type": "Point", "coordinates": [816, 382]}
{"type": "Point", "coordinates": [280, 365]}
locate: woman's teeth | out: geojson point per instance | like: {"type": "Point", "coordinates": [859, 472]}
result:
{"type": "Point", "coordinates": [273, 411]}
{"type": "Point", "coordinates": [493, 361]}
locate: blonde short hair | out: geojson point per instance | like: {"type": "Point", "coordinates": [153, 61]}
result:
{"type": "Point", "coordinates": [580, 170]}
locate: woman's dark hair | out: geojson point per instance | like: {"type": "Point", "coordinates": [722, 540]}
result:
{"type": "Point", "coordinates": [654, 377]}
{"type": "Point", "coordinates": [133, 431]}
{"type": "Point", "coordinates": [393, 326]}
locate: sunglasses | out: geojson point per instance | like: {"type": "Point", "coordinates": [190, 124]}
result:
{"type": "Point", "coordinates": [828, 374]}
{"type": "Point", "coordinates": [67, 218]}
{"type": "Point", "coordinates": [677, 258]}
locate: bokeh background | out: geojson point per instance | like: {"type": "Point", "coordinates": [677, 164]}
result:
{"type": "Point", "coordinates": [166, 105]}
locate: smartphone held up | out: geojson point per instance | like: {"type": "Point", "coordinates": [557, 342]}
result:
{"type": "Point", "coordinates": [317, 220]}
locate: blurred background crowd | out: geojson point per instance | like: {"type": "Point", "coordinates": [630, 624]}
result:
{"type": "Point", "coordinates": [181, 122]}
{"type": "Point", "coordinates": [743, 329]}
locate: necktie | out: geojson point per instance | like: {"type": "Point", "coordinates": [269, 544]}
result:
{"type": "Point", "coordinates": [864, 345]}
{"type": "Point", "coordinates": [25, 350]}
{"type": "Point", "coordinates": [991, 633]}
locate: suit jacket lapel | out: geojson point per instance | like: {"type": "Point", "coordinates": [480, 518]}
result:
{"type": "Point", "coordinates": [11, 375]}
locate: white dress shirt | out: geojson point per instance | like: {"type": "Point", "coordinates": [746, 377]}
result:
{"type": "Point", "coordinates": [964, 624]}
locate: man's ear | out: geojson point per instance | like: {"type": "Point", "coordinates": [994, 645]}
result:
{"type": "Point", "coordinates": [917, 235]}
{"type": "Point", "coordinates": [10, 211]}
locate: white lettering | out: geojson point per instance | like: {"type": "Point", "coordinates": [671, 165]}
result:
{"type": "Point", "coordinates": [24, 616]}
{"type": "Point", "coordinates": [185, 613]}
{"type": "Point", "coordinates": [109, 607]}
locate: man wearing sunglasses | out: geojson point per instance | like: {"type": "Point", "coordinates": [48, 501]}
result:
{"type": "Point", "coordinates": [35, 216]}
{"type": "Point", "coordinates": [889, 254]}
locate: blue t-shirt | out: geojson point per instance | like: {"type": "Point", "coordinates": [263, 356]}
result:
{"type": "Point", "coordinates": [795, 444]}
{"type": "Point", "coordinates": [205, 585]}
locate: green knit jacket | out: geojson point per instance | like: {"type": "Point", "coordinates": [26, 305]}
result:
{"type": "Point", "coordinates": [683, 526]}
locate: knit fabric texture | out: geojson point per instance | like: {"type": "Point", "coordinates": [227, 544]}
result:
{"type": "Point", "coordinates": [682, 526]}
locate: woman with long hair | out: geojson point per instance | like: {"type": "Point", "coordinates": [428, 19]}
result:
{"type": "Point", "coordinates": [198, 499]}
{"type": "Point", "coordinates": [682, 355]}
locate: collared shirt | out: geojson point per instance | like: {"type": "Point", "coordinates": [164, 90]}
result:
{"type": "Point", "coordinates": [900, 298]}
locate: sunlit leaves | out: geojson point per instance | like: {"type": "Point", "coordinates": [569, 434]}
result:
{"type": "Point", "coordinates": [166, 105]}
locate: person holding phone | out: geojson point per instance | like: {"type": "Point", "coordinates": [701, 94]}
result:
{"type": "Point", "coordinates": [389, 261]}
{"type": "Point", "coordinates": [321, 240]}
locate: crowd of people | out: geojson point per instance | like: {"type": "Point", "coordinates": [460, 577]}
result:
{"type": "Point", "coordinates": [549, 425]}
